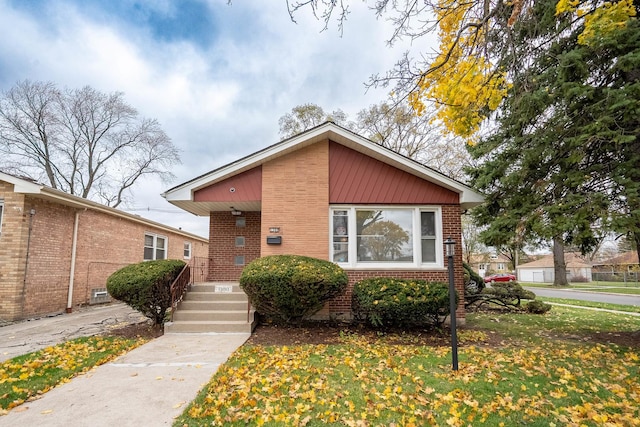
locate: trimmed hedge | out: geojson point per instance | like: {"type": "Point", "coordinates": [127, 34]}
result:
{"type": "Point", "coordinates": [146, 286]}
{"type": "Point", "coordinates": [400, 303]}
{"type": "Point", "coordinates": [291, 287]}
{"type": "Point", "coordinates": [537, 307]}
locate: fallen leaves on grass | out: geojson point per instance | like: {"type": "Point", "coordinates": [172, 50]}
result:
{"type": "Point", "coordinates": [28, 376]}
{"type": "Point", "coordinates": [364, 383]}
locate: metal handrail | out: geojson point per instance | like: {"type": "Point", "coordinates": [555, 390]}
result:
{"type": "Point", "coordinates": [179, 288]}
{"type": "Point", "coordinates": [199, 269]}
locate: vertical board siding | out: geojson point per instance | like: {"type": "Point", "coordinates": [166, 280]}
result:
{"type": "Point", "coordinates": [355, 178]}
{"type": "Point", "coordinates": [247, 187]}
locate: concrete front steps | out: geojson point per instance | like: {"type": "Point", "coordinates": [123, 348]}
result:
{"type": "Point", "coordinates": [212, 307]}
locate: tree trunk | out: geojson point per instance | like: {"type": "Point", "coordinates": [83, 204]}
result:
{"type": "Point", "coordinates": [559, 266]}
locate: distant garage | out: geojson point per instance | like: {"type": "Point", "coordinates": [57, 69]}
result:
{"type": "Point", "coordinates": [535, 275]}
{"type": "Point", "coordinates": [542, 270]}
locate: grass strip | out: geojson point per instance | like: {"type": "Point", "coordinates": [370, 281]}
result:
{"type": "Point", "coordinates": [33, 374]}
{"type": "Point", "coordinates": [592, 304]}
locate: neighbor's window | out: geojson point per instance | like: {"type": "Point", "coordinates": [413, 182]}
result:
{"type": "Point", "coordinates": [155, 247]}
{"type": "Point", "coordinates": [386, 236]}
{"type": "Point", "coordinates": [187, 250]}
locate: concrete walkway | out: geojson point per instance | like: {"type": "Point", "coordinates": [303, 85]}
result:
{"type": "Point", "coordinates": [149, 386]}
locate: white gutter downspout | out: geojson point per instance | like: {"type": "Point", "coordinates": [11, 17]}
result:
{"type": "Point", "coordinates": [74, 244]}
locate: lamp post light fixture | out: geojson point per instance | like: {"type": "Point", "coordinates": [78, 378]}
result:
{"type": "Point", "coordinates": [450, 244]}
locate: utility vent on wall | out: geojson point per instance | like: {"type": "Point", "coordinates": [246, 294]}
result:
{"type": "Point", "coordinates": [99, 296]}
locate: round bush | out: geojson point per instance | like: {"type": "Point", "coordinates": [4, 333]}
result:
{"type": "Point", "coordinates": [291, 287]}
{"type": "Point", "coordinates": [537, 307]}
{"type": "Point", "coordinates": [146, 286]}
{"type": "Point", "coordinates": [400, 302]}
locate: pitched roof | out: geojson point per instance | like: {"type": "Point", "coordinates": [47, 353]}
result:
{"type": "Point", "coordinates": [182, 195]}
{"type": "Point", "coordinates": [487, 258]}
{"type": "Point", "coordinates": [571, 260]}
{"type": "Point", "coordinates": [28, 186]}
{"type": "Point", "coordinates": [625, 258]}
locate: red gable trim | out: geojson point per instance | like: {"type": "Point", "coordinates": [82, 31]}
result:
{"type": "Point", "coordinates": [244, 187]}
{"type": "Point", "coordinates": [356, 178]}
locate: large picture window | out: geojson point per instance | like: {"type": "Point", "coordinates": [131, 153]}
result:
{"type": "Point", "coordinates": [385, 236]}
{"type": "Point", "coordinates": [155, 247]}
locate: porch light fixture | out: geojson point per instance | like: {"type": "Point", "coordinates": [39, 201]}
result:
{"type": "Point", "coordinates": [235, 212]}
{"type": "Point", "coordinates": [450, 244]}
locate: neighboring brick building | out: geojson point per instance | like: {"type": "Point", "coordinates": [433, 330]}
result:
{"type": "Point", "coordinates": [38, 255]}
{"type": "Point", "coordinates": [331, 194]}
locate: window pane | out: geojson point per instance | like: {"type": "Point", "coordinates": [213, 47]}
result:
{"type": "Point", "coordinates": [187, 250]}
{"type": "Point", "coordinates": [385, 235]}
{"type": "Point", "coordinates": [428, 223]}
{"type": "Point", "coordinates": [148, 240]}
{"type": "Point", "coordinates": [148, 254]}
{"type": "Point", "coordinates": [160, 254]}
{"type": "Point", "coordinates": [160, 243]}
{"type": "Point", "coordinates": [428, 250]}
{"type": "Point", "coordinates": [340, 236]}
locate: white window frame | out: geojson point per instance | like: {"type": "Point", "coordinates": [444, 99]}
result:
{"type": "Point", "coordinates": [417, 263]}
{"type": "Point", "coordinates": [155, 246]}
{"type": "Point", "coordinates": [187, 247]}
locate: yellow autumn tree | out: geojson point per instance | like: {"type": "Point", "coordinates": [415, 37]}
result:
{"type": "Point", "coordinates": [465, 79]}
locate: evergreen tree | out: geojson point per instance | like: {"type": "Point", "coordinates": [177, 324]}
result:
{"type": "Point", "coordinates": [565, 153]}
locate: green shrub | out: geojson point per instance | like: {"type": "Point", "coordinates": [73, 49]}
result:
{"type": "Point", "coordinates": [509, 292]}
{"type": "Point", "coordinates": [537, 307]}
{"type": "Point", "coordinates": [400, 302]}
{"type": "Point", "coordinates": [291, 287]}
{"type": "Point", "coordinates": [505, 294]}
{"type": "Point", "coordinates": [146, 286]}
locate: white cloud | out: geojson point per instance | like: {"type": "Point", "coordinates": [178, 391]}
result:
{"type": "Point", "coordinates": [219, 102]}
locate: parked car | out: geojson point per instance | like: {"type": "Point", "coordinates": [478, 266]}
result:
{"type": "Point", "coordinates": [500, 277]}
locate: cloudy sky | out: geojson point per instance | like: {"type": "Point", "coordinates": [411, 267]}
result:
{"type": "Point", "coordinates": [216, 76]}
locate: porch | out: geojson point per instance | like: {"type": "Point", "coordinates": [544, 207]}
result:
{"type": "Point", "coordinates": [202, 306]}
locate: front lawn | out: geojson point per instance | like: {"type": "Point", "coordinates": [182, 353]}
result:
{"type": "Point", "coordinates": [515, 369]}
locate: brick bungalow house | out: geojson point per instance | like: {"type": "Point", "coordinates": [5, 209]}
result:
{"type": "Point", "coordinates": [331, 194]}
{"type": "Point", "coordinates": [57, 250]}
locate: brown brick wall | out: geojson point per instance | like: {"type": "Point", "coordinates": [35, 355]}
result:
{"type": "Point", "coordinates": [15, 223]}
{"type": "Point", "coordinates": [222, 246]}
{"type": "Point", "coordinates": [105, 244]}
{"type": "Point", "coordinates": [295, 198]}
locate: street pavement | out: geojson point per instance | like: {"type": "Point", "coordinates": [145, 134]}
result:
{"type": "Point", "coordinates": [149, 386]}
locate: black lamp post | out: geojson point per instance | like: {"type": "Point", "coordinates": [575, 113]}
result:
{"type": "Point", "coordinates": [450, 244]}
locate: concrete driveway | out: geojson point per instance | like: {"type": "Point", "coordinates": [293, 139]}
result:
{"type": "Point", "coordinates": [31, 335]}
